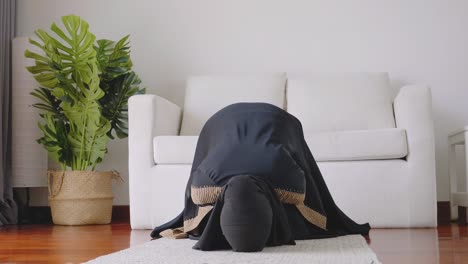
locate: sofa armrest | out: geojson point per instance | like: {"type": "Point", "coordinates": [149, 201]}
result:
{"type": "Point", "coordinates": [413, 112]}
{"type": "Point", "coordinates": [148, 116]}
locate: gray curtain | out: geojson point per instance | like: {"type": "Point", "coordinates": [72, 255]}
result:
{"type": "Point", "coordinates": [8, 209]}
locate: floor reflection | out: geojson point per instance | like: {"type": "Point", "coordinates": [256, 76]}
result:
{"type": "Point", "coordinates": [74, 244]}
{"type": "Point", "coordinates": [406, 245]}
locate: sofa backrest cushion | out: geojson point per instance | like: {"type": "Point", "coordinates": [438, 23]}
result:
{"type": "Point", "coordinates": [326, 102]}
{"type": "Point", "coordinates": [205, 95]}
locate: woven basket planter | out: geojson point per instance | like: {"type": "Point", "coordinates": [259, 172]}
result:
{"type": "Point", "coordinates": [81, 197]}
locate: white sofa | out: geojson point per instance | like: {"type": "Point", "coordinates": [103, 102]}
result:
{"type": "Point", "coordinates": [375, 152]}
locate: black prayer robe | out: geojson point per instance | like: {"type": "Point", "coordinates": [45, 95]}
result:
{"type": "Point", "coordinates": [267, 142]}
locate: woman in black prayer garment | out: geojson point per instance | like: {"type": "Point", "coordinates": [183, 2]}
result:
{"type": "Point", "coordinates": [255, 183]}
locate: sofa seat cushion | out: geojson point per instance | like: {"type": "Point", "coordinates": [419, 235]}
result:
{"type": "Point", "coordinates": [174, 149]}
{"type": "Point", "coordinates": [329, 146]}
{"type": "Point", "coordinates": [350, 145]}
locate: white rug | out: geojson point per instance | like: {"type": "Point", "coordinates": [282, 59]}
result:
{"type": "Point", "coordinates": [347, 249]}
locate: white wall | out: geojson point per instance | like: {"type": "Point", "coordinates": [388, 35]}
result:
{"type": "Point", "coordinates": [417, 41]}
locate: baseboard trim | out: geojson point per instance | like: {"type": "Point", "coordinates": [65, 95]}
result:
{"type": "Point", "coordinates": [43, 215]}
{"type": "Point", "coordinates": [462, 215]}
{"type": "Point", "coordinates": [121, 214]}
{"type": "Point", "coordinates": [443, 212]}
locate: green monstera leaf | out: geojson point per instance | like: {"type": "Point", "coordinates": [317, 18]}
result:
{"type": "Point", "coordinates": [113, 58]}
{"type": "Point", "coordinates": [55, 139]}
{"type": "Point", "coordinates": [115, 102]}
{"type": "Point", "coordinates": [118, 82]}
{"type": "Point", "coordinates": [84, 89]}
{"type": "Point", "coordinates": [64, 66]}
{"type": "Point", "coordinates": [74, 129]}
{"type": "Point", "coordinates": [88, 127]}
{"type": "Point", "coordinates": [49, 102]}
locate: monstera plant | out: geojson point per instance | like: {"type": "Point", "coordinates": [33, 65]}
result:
{"type": "Point", "coordinates": [84, 86]}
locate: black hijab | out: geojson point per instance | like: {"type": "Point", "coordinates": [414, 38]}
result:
{"type": "Point", "coordinates": [247, 216]}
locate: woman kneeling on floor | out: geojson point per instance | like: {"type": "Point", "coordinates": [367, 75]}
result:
{"type": "Point", "coordinates": [255, 183]}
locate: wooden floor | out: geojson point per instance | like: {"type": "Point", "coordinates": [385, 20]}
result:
{"type": "Point", "coordinates": [60, 244]}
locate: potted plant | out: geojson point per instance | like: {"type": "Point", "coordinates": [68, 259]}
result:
{"type": "Point", "coordinates": [84, 88]}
